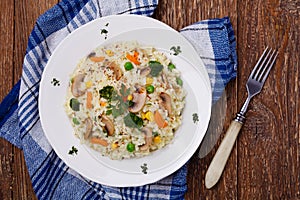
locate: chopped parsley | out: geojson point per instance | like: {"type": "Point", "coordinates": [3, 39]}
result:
{"type": "Point", "coordinates": [55, 82]}
{"type": "Point", "coordinates": [108, 112]}
{"type": "Point", "coordinates": [175, 50]}
{"type": "Point", "coordinates": [156, 68]}
{"type": "Point", "coordinates": [120, 104]}
{"type": "Point", "coordinates": [131, 120]}
{"type": "Point", "coordinates": [107, 92]}
{"type": "Point", "coordinates": [121, 101]}
{"type": "Point", "coordinates": [74, 104]}
{"type": "Point", "coordinates": [104, 31]}
{"type": "Point", "coordinates": [179, 81]}
{"type": "Point", "coordinates": [144, 168]}
{"type": "Point", "coordinates": [195, 118]}
{"type": "Point", "coordinates": [75, 121]}
{"type": "Point", "coordinates": [73, 151]}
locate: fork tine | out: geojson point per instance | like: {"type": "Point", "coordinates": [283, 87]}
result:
{"type": "Point", "coordinates": [262, 66]}
{"type": "Point", "coordinates": [266, 65]}
{"type": "Point", "coordinates": [272, 60]}
{"type": "Point", "coordinates": [258, 63]}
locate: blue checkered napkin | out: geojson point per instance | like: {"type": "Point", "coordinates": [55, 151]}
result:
{"type": "Point", "coordinates": [19, 116]}
{"type": "Point", "coordinates": [218, 53]}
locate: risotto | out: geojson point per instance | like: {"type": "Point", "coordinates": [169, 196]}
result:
{"type": "Point", "coordinates": [125, 100]}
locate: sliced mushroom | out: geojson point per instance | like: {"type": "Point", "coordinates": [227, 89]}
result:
{"type": "Point", "coordinates": [139, 99]}
{"type": "Point", "coordinates": [91, 54]}
{"type": "Point", "coordinates": [88, 130]}
{"type": "Point", "coordinates": [145, 71]}
{"type": "Point", "coordinates": [116, 69]}
{"type": "Point", "coordinates": [165, 80]}
{"type": "Point", "coordinates": [148, 138]}
{"type": "Point", "coordinates": [76, 85]}
{"type": "Point", "coordinates": [108, 125]}
{"type": "Point", "coordinates": [166, 102]}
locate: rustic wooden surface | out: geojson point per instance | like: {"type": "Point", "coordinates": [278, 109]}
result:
{"type": "Point", "coordinates": [265, 162]}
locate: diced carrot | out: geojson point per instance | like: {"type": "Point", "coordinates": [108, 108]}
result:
{"type": "Point", "coordinates": [89, 98]}
{"type": "Point", "coordinates": [96, 140]}
{"type": "Point", "coordinates": [161, 123]}
{"type": "Point", "coordinates": [97, 58]}
{"type": "Point", "coordinates": [165, 124]}
{"type": "Point", "coordinates": [102, 103]}
{"type": "Point", "coordinates": [133, 58]}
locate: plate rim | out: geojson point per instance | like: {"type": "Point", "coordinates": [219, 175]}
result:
{"type": "Point", "coordinates": [166, 27]}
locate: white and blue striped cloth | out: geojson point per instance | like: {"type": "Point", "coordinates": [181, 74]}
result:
{"type": "Point", "coordinates": [19, 116]}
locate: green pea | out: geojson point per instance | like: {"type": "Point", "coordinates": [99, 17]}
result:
{"type": "Point", "coordinates": [128, 66]}
{"type": "Point", "coordinates": [130, 147]}
{"type": "Point", "coordinates": [179, 81]}
{"type": "Point", "coordinates": [150, 89]}
{"type": "Point", "coordinates": [171, 66]}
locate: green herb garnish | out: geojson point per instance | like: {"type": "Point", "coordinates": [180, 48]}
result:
{"type": "Point", "coordinates": [156, 68]}
{"type": "Point", "coordinates": [73, 151]}
{"type": "Point", "coordinates": [175, 50]}
{"type": "Point", "coordinates": [120, 101]}
{"type": "Point", "coordinates": [131, 120]}
{"type": "Point", "coordinates": [106, 92]}
{"type": "Point", "coordinates": [124, 91]}
{"type": "Point", "coordinates": [55, 82]}
{"type": "Point", "coordinates": [104, 32]}
{"type": "Point", "coordinates": [74, 104]}
{"type": "Point", "coordinates": [144, 168]}
{"type": "Point", "coordinates": [108, 112]}
{"type": "Point", "coordinates": [195, 118]}
{"type": "Point", "coordinates": [75, 121]}
{"type": "Point", "coordinates": [179, 81]}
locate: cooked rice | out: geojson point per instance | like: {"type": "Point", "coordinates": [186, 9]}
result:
{"type": "Point", "coordinates": [102, 68]}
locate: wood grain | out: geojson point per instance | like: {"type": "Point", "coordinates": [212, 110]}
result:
{"type": "Point", "coordinates": [264, 163]}
{"type": "Point", "coordinates": [6, 81]}
{"type": "Point", "coordinates": [17, 21]}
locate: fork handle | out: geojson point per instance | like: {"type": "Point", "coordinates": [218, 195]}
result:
{"type": "Point", "coordinates": [218, 162]}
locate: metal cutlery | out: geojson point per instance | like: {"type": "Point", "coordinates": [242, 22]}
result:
{"type": "Point", "coordinates": [254, 85]}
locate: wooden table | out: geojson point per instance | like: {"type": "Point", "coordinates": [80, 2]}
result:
{"type": "Point", "coordinates": [265, 161]}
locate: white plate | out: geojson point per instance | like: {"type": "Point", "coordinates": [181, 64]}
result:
{"type": "Point", "coordinates": [87, 162]}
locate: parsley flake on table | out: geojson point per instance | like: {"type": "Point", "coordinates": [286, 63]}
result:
{"type": "Point", "coordinates": [195, 117]}
{"type": "Point", "coordinates": [73, 151]}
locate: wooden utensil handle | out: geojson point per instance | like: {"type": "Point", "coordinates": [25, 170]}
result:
{"type": "Point", "coordinates": [218, 162]}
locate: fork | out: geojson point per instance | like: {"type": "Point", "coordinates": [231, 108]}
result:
{"type": "Point", "coordinates": [254, 85]}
